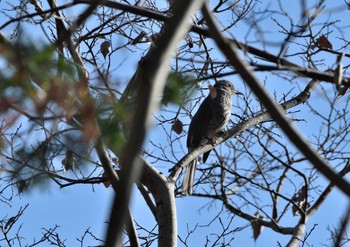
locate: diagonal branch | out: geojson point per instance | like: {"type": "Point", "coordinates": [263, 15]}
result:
{"type": "Point", "coordinates": [275, 110]}
{"type": "Point", "coordinates": [299, 99]}
{"type": "Point", "coordinates": [306, 72]}
{"type": "Point", "coordinates": [114, 180]}
{"type": "Point", "coordinates": [150, 80]}
{"type": "Point", "coordinates": [162, 190]}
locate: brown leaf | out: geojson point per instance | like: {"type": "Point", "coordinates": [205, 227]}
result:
{"type": "Point", "coordinates": [138, 38]}
{"type": "Point", "coordinates": [324, 43]}
{"type": "Point", "coordinates": [21, 186]}
{"type": "Point", "coordinates": [90, 130]}
{"type": "Point", "coordinates": [68, 162]}
{"type": "Point", "coordinates": [9, 223]}
{"type": "Point", "coordinates": [342, 91]}
{"type": "Point", "coordinates": [189, 41]}
{"type": "Point", "coordinates": [105, 48]}
{"type": "Point", "coordinates": [177, 126]}
{"type": "Point", "coordinates": [295, 210]}
{"type": "Point", "coordinates": [33, 2]}
{"type": "Point", "coordinates": [115, 160]}
{"type": "Point", "coordinates": [190, 44]}
{"type": "Point", "coordinates": [87, 117]}
{"type": "Point", "coordinates": [257, 226]}
{"type": "Point", "coordinates": [300, 199]}
{"type": "Point", "coordinates": [5, 103]}
{"type": "Point", "coordinates": [106, 183]}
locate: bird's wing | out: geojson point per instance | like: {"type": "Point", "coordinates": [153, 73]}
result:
{"type": "Point", "coordinates": [199, 124]}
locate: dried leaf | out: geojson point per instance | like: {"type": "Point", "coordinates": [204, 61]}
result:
{"type": "Point", "coordinates": [105, 48]}
{"type": "Point", "coordinates": [189, 41]}
{"type": "Point", "coordinates": [90, 130]}
{"type": "Point", "coordinates": [5, 103]}
{"type": "Point", "coordinates": [324, 43]}
{"type": "Point", "coordinates": [257, 227]}
{"type": "Point", "coordinates": [115, 160]}
{"type": "Point", "coordinates": [33, 2]}
{"type": "Point", "coordinates": [177, 126]}
{"type": "Point", "coordinates": [342, 91]}
{"type": "Point", "coordinates": [300, 199]}
{"type": "Point", "coordinates": [190, 44]}
{"type": "Point", "coordinates": [21, 186]}
{"type": "Point", "coordinates": [68, 162]}
{"type": "Point", "coordinates": [138, 38]}
{"type": "Point", "coordinates": [9, 223]}
{"type": "Point", "coordinates": [106, 183]}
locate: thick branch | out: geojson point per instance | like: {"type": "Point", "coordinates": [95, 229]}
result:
{"type": "Point", "coordinates": [162, 190]}
{"type": "Point", "coordinates": [326, 192]}
{"type": "Point", "coordinates": [299, 99]}
{"type": "Point", "coordinates": [150, 79]}
{"type": "Point", "coordinates": [297, 234]}
{"type": "Point", "coordinates": [114, 180]}
{"type": "Point", "coordinates": [275, 110]}
{"type": "Point", "coordinates": [307, 72]}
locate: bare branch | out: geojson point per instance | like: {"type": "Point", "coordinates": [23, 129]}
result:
{"type": "Point", "coordinates": [151, 80]}
{"type": "Point", "coordinates": [275, 111]}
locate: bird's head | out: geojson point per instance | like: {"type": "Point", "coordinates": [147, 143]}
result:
{"type": "Point", "coordinates": [227, 87]}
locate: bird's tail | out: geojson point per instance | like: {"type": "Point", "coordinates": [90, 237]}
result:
{"type": "Point", "coordinates": [187, 183]}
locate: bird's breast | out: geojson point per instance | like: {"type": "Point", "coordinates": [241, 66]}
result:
{"type": "Point", "coordinates": [221, 113]}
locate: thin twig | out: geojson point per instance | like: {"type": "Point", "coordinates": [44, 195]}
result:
{"type": "Point", "coordinates": [275, 110]}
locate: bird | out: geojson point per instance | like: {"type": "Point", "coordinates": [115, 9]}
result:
{"type": "Point", "coordinates": [210, 119]}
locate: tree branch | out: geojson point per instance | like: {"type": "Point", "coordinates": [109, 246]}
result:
{"type": "Point", "coordinates": [275, 110]}
{"type": "Point", "coordinates": [114, 180]}
{"type": "Point", "coordinates": [150, 79]}
{"type": "Point", "coordinates": [306, 72]}
{"type": "Point", "coordinates": [299, 99]}
{"type": "Point", "coordinates": [162, 190]}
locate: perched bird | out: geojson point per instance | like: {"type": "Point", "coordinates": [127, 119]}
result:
{"type": "Point", "coordinates": [211, 118]}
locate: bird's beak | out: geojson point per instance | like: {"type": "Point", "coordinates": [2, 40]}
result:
{"type": "Point", "coordinates": [238, 93]}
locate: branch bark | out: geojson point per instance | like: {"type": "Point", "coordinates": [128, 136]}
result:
{"type": "Point", "coordinates": [150, 80]}
{"type": "Point", "coordinates": [162, 190]}
{"type": "Point", "coordinates": [279, 61]}
{"type": "Point", "coordinates": [114, 180]}
{"type": "Point", "coordinates": [297, 234]}
{"type": "Point", "coordinates": [276, 111]}
{"type": "Point", "coordinates": [299, 99]}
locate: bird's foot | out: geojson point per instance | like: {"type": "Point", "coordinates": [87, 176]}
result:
{"type": "Point", "coordinates": [222, 133]}
{"type": "Point", "coordinates": [212, 141]}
